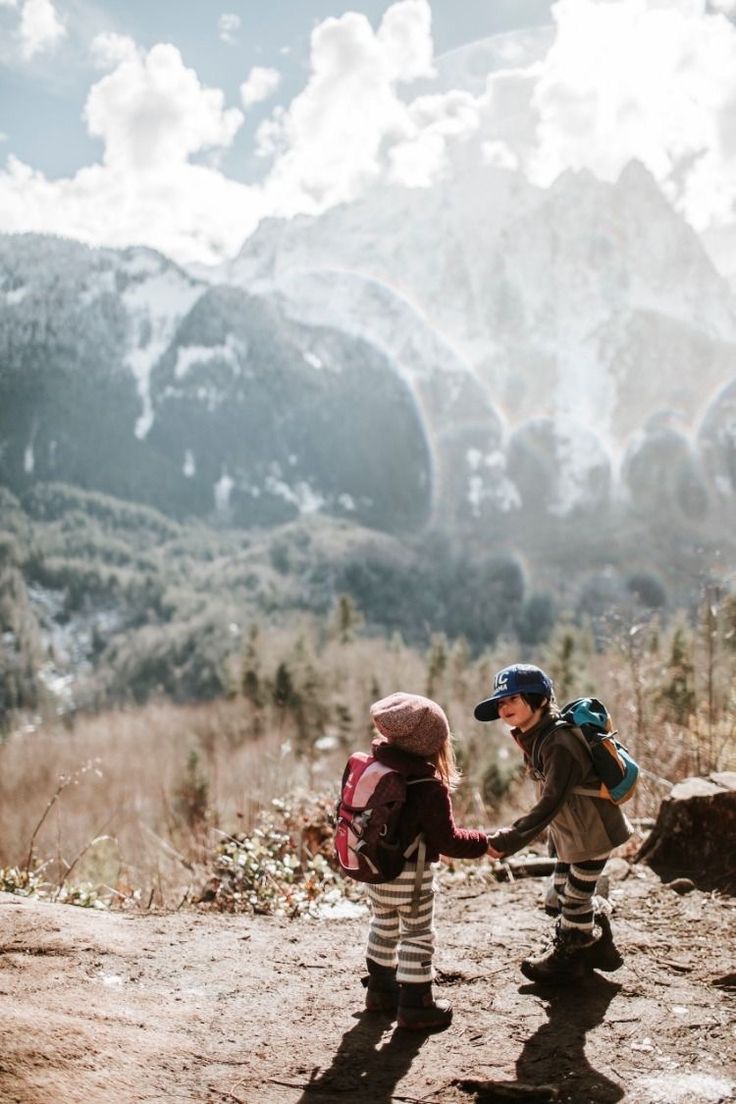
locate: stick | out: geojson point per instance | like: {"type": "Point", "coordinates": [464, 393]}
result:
{"type": "Point", "coordinates": [167, 847]}
{"type": "Point", "coordinates": [63, 783]}
{"type": "Point", "coordinates": [98, 838]}
{"type": "Point", "coordinates": [238, 1099]}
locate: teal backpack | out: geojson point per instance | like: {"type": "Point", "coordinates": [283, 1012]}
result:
{"type": "Point", "coordinates": [614, 764]}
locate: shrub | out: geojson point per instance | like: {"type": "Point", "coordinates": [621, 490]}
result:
{"type": "Point", "coordinates": [281, 868]}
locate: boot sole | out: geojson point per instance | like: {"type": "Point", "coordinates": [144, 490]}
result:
{"type": "Point", "coordinates": [425, 1025]}
{"type": "Point", "coordinates": [378, 1007]}
{"type": "Point", "coordinates": [606, 967]}
{"type": "Point", "coordinates": [552, 979]}
{"type": "Point", "coordinates": [580, 970]}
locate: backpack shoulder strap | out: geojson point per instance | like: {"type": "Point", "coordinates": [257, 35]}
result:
{"type": "Point", "coordinates": [535, 755]}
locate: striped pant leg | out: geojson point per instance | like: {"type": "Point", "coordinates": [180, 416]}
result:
{"type": "Point", "coordinates": [395, 936]}
{"type": "Point", "coordinates": [575, 884]}
{"type": "Point", "coordinates": [383, 933]}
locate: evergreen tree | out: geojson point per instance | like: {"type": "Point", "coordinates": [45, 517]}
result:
{"type": "Point", "coordinates": [677, 694]}
{"type": "Point", "coordinates": [251, 683]}
{"type": "Point", "coordinates": [347, 619]}
{"type": "Point", "coordinates": [437, 660]}
{"type": "Point", "coordinates": [567, 662]}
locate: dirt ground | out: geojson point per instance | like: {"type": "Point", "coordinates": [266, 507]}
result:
{"type": "Point", "coordinates": [132, 1009]}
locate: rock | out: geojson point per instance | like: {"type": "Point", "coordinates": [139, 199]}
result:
{"type": "Point", "coordinates": [617, 869]}
{"type": "Point", "coordinates": [681, 885]}
{"type": "Point", "coordinates": [694, 837]}
{"type": "Point", "coordinates": [725, 779]}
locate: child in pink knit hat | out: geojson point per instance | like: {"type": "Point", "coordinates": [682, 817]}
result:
{"type": "Point", "coordinates": [413, 737]}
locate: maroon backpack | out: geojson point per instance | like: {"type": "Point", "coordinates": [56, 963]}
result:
{"type": "Point", "coordinates": [367, 818]}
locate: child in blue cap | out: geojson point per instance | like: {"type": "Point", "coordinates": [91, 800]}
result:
{"type": "Point", "coordinates": [583, 829]}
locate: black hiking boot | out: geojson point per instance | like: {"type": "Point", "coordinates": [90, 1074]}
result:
{"type": "Point", "coordinates": [419, 1011]}
{"type": "Point", "coordinates": [563, 960]}
{"type": "Point", "coordinates": [382, 988]}
{"type": "Point", "coordinates": [603, 954]}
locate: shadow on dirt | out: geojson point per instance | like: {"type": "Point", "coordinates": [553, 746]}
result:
{"type": "Point", "coordinates": [555, 1053]}
{"type": "Point", "coordinates": [363, 1071]}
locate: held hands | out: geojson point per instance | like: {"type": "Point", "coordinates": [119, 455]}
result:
{"type": "Point", "coordinates": [493, 852]}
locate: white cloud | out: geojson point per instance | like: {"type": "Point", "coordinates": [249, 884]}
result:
{"type": "Point", "coordinates": [8, 3]}
{"type": "Point", "coordinates": [153, 116]}
{"type": "Point", "coordinates": [261, 84]}
{"type": "Point", "coordinates": [190, 213]}
{"type": "Point", "coordinates": [647, 79]}
{"type": "Point", "coordinates": [350, 126]}
{"type": "Point", "coordinates": [437, 120]}
{"type": "Point", "coordinates": [405, 34]}
{"type": "Point", "coordinates": [653, 80]}
{"type": "Point", "coordinates": [642, 79]}
{"type": "Point", "coordinates": [40, 28]}
{"type": "Point", "coordinates": [109, 49]}
{"type": "Point", "coordinates": [152, 112]}
{"type": "Point", "coordinates": [228, 26]}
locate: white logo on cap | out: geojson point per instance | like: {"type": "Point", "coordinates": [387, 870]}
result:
{"type": "Point", "coordinates": [501, 681]}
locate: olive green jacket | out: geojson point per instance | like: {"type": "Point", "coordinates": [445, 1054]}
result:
{"type": "Point", "coordinates": [580, 826]}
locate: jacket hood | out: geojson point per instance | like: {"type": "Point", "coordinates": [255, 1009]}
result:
{"type": "Point", "coordinates": [413, 766]}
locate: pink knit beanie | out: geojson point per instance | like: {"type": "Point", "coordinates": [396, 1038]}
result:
{"type": "Point", "coordinates": [411, 722]}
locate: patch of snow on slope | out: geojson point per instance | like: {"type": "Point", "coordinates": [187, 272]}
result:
{"type": "Point", "coordinates": [189, 355]}
{"type": "Point", "coordinates": [156, 306]}
{"type": "Point", "coordinates": [301, 495]}
{"type": "Point", "coordinates": [223, 489]}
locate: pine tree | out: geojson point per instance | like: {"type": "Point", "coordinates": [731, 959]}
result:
{"type": "Point", "coordinates": [437, 659]}
{"type": "Point", "coordinates": [347, 619]}
{"type": "Point", "coordinates": [677, 695]}
{"type": "Point", "coordinates": [251, 683]}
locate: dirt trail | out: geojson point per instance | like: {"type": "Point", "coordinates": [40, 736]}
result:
{"type": "Point", "coordinates": [186, 1007]}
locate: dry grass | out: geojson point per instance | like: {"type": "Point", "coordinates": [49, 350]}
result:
{"type": "Point", "coordinates": [139, 798]}
{"type": "Point", "coordinates": [135, 801]}
{"type": "Point", "coordinates": [128, 782]}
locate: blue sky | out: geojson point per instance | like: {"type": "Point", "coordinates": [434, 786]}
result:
{"type": "Point", "coordinates": [181, 126]}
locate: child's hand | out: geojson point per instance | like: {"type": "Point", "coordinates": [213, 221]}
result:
{"type": "Point", "coordinates": [494, 854]}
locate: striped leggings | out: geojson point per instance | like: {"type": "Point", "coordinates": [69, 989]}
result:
{"type": "Point", "coordinates": [575, 885]}
{"type": "Point", "coordinates": [395, 937]}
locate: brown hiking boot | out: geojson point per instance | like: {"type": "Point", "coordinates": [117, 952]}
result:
{"type": "Point", "coordinates": [603, 954]}
{"type": "Point", "coordinates": [382, 988]}
{"type": "Point", "coordinates": [564, 958]}
{"type": "Point", "coordinates": [419, 1011]}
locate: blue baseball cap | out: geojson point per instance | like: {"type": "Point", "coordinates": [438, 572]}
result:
{"type": "Point", "coordinates": [520, 678]}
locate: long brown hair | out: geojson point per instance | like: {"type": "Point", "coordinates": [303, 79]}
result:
{"type": "Point", "coordinates": [444, 761]}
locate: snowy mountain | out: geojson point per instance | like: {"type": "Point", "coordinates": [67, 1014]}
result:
{"type": "Point", "coordinates": [481, 355]}
{"type": "Point", "coordinates": [591, 306]}
{"type": "Point", "coordinates": [121, 373]}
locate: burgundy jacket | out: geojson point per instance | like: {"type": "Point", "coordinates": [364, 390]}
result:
{"type": "Point", "coordinates": [428, 809]}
